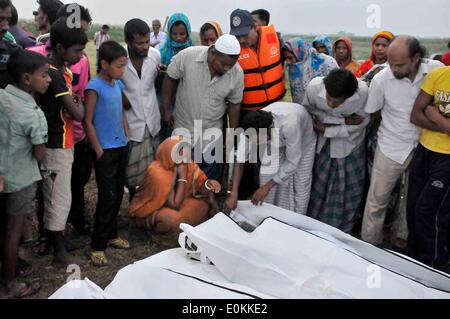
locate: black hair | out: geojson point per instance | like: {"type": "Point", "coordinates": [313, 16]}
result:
{"type": "Point", "coordinates": [50, 8]}
{"type": "Point", "coordinates": [84, 12]}
{"type": "Point", "coordinates": [5, 4]}
{"type": "Point", "coordinates": [438, 57]}
{"type": "Point", "coordinates": [24, 61]}
{"type": "Point", "coordinates": [176, 24]}
{"type": "Point", "coordinates": [206, 27]}
{"type": "Point", "coordinates": [341, 84]}
{"type": "Point", "coordinates": [263, 14]}
{"type": "Point", "coordinates": [110, 51]}
{"type": "Point", "coordinates": [60, 33]}
{"type": "Point", "coordinates": [105, 26]}
{"type": "Point", "coordinates": [448, 44]}
{"type": "Point", "coordinates": [14, 16]}
{"type": "Point", "coordinates": [257, 120]}
{"type": "Point", "coordinates": [414, 48]}
{"type": "Point", "coordinates": [135, 26]}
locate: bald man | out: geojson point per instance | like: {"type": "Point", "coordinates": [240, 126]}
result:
{"type": "Point", "coordinates": [157, 37]}
{"type": "Point", "coordinates": [393, 93]}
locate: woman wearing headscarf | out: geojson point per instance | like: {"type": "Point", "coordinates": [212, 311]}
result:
{"type": "Point", "coordinates": [323, 45]}
{"type": "Point", "coordinates": [174, 191]}
{"type": "Point", "coordinates": [343, 53]}
{"type": "Point", "coordinates": [305, 64]}
{"type": "Point", "coordinates": [210, 32]}
{"type": "Point", "coordinates": [178, 39]}
{"type": "Point", "coordinates": [380, 45]}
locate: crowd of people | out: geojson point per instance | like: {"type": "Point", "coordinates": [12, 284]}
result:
{"type": "Point", "coordinates": [363, 147]}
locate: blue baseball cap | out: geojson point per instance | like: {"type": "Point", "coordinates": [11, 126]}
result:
{"type": "Point", "coordinates": [241, 22]}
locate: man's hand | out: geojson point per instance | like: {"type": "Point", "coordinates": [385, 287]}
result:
{"type": "Point", "coordinates": [319, 126]}
{"type": "Point", "coordinates": [2, 185]}
{"type": "Point", "coordinates": [168, 119]}
{"type": "Point", "coordinates": [354, 119]}
{"type": "Point", "coordinates": [261, 194]}
{"type": "Point", "coordinates": [230, 204]}
{"type": "Point", "coordinates": [162, 69]}
{"type": "Point", "coordinates": [434, 115]}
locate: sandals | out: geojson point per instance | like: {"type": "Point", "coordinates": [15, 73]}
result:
{"type": "Point", "coordinates": [98, 259]}
{"type": "Point", "coordinates": [120, 243]}
{"type": "Point", "coordinates": [22, 290]}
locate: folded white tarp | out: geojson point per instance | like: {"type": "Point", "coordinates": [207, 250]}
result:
{"type": "Point", "coordinates": [286, 256]}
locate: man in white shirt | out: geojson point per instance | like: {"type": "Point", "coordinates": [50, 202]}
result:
{"type": "Point", "coordinates": [157, 37]}
{"type": "Point", "coordinates": [142, 111]}
{"type": "Point", "coordinates": [285, 174]}
{"type": "Point", "coordinates": [394, 93]}
{"type": "Point", "coordinates": [101, 36]}
{"type": "Point", "coordinates": [336, 103]}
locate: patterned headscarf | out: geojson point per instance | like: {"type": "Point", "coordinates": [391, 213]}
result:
{"type": "Point", "coordinates": [323, 39]}
{"type": "Point", "coordinates": [310, 64]}
{"type": "Point", "coordinates": [171, 48]}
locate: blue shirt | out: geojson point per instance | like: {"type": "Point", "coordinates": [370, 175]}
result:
{"type": "Point", "coordinates": [108, 115]}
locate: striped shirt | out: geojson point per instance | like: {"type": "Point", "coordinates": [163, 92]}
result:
{"type": "Point", "coordinates": [60, 125]}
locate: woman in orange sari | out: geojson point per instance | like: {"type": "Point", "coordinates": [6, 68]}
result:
{"type": "Point", "coordinates": [343, 53]}
{"type": "Point", "coordinates": [174, 191]}
{"type": "Point", "coordinates": [380, 45]}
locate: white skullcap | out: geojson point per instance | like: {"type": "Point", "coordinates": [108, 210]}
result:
{"type": "Point", "coordinates": [228, 44]}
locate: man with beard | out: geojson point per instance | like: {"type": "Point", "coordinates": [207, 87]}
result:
{"type": "Point", "coordinates": [209, 85]}
{"type": "Point", "coordinates": [44, 17]}
{"type": "Point", "coordinates": [142, 109]}
{"type": "Point", "coordinates": [393, 92]}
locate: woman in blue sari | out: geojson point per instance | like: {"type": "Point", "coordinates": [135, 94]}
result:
{"type": "Point", "coordinates": [323, 45]}
{"type": "Point", "coordinates": [179, 38]}
{"type": "Point", "coordinates": [305, 64]}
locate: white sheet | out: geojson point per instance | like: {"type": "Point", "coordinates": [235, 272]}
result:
{"type": "Point", "coordinates": [286, 256]}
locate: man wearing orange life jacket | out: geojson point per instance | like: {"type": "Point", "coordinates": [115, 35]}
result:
{"type": "Point", "coordinates": [261, 61]}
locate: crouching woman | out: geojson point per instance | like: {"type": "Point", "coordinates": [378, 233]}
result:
{"type": "Point", "coordinates": [174, 191]}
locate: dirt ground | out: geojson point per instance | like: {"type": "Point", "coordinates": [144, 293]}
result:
{"type": "Point", "coordinates": [51, 278]}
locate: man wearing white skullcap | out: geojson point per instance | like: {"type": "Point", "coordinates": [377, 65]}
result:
{"type": "Point", "coordinates": [209, 85]}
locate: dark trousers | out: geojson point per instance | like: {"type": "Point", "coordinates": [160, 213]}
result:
{"type": "Point", "coordinates": [428, 210]}
{"type": "Point", "coordinates": [110, 176]}
{"type": "Point", "coordinates": [81, 172]}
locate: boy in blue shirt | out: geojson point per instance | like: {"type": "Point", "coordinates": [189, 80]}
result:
{"type": "Point", "coordinates": [23, 134]}
{"type": "Point", "coordinates": [106, 129]}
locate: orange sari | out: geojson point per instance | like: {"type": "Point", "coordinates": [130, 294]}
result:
{"type": "Point", "coordinates": [150, 201]}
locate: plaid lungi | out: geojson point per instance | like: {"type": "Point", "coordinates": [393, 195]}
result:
{"type": "Point", "coordinates": [338, 186]}
{"type": "Point", "coordinates": [140, 156]}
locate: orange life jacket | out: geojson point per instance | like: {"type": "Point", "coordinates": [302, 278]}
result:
{"type": "Point", "coordinates": [264, 74]}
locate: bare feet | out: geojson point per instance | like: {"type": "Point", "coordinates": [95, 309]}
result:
{"type": "Point", "coordinates": [18, 290]}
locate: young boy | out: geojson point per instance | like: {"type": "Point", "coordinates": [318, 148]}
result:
{"type": "Point", "coordinates": [106, 128]}
{"type": "Point", "coordinates": [61, 108]}
{"type": "Point", "coordinates": [23, 134]}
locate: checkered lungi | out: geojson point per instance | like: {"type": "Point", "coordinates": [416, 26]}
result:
{"type": "Point", "coordinates": [338, 185]}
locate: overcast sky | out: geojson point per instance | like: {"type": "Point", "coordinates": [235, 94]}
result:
{"type": "Point", "coordinates": [423, 18]}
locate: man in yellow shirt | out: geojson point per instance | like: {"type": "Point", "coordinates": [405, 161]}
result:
{"type": "Point", "coordinates": [429, 184]}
